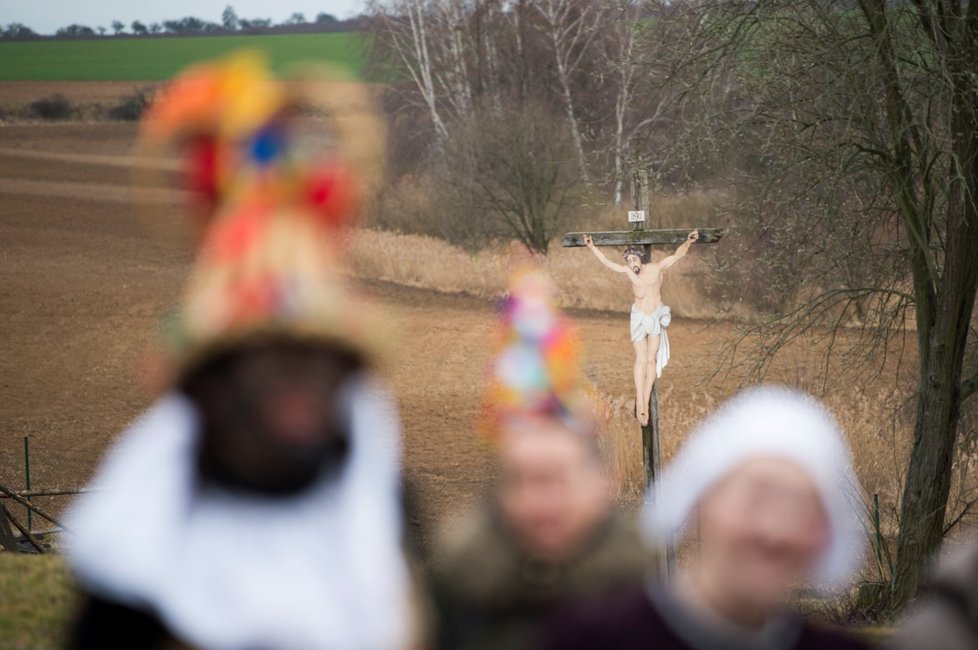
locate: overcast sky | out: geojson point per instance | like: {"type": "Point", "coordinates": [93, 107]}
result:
{"type": "Point", "coordinates": [45, 16]}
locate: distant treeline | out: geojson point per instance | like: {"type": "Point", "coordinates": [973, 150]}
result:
{"type": "Point", "coordinates": [230, 23]}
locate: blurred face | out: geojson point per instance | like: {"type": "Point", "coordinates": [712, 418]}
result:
{"type": "Point", "coordinates": [292, 391]}
{"type": "Point", "coordinates": [552, 491]}
{"type": "Point", "coordinates": [634, 262]}
{"type": "Point", "coordinates": [270, 414]}
{"type": "Point", "coordinates": [762, 529]}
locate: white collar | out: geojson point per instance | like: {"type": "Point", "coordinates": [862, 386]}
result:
{"type": "Point", "coordinates": [225, 571]}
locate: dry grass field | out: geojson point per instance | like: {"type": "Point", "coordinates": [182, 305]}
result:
{"type": "Point", "coordinates": [85, 281]}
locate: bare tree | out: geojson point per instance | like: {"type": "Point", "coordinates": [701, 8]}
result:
{"type": "Point", "coordinates": [451, 26]}
{"type": "Point", "coordinates": [406, 29]}
{"type": "Point", "coordinates": [862, 127]}
{"type": "Point", "coordinates": [571, 27]}
{"type": "Point", "coordinates": [623, 60]}
{"type": "Point", "coordinates": [640, 100]}
{"type": "Point", "coordinates": [455, 53]}
{"type": "Point", "coordinates": [587, 60]}
{"type": "Point", "coordinates": [517, 171]}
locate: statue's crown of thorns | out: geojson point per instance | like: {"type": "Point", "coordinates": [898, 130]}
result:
{"type": "Point", "coordinates": [637, 252]}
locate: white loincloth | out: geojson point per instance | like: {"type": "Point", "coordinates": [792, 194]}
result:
{"type": "Point", "coordinates": [654, 324]}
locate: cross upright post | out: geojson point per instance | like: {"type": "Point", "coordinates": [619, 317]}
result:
{"type": "Point", "coordinates": [650, 431]}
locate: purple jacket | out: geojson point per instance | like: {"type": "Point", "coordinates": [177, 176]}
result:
{"type": "Point", "coordinates": [644, 619]}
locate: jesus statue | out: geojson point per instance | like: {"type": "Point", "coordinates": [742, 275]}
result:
{"type": "Point", "coordinates": [650, 317]}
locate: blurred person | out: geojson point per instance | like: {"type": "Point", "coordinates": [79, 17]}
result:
{"type": "Point", "coordinates": [256, 503]}
{"type": "Point", "coordinates": [767, 482]}
{"type": "Point", "coordinates": [947, 617]}
{"type": "Point", "coordinates": [549, 531]}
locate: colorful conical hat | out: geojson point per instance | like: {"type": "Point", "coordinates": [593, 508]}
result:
{"type": "Point", "coordinates": [535, 371]}
{"type": "Point", "coordinates": [272, 211]}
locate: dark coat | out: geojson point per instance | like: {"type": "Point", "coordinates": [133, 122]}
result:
{"type": "Point", "coordinates": [639, 620]}
{"type": "Point", "coordinates": [490, 594]}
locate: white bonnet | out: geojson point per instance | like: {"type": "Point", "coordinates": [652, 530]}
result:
{"type": "Point", "coordinates": [764, 422]}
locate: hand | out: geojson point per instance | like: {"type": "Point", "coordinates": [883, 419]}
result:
{"type": "Point", "coordinates": [589, 241]}
{"type": "Point", "coordinates": [693, 236]}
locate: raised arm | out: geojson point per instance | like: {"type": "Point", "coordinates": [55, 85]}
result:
{"type": "Point", "coordinates": [681, 251]}
{"type": "Point", "coordinates": [617, 268]}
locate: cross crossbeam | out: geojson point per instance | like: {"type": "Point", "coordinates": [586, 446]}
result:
{"type": "Point", "coordinates": [643, 237]}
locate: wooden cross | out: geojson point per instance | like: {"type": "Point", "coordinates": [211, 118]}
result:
{"type": "Point", "coordinates": [639, 236]}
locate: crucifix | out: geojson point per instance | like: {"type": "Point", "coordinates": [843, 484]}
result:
{"type": "Point", "coordinates": [649, 317]}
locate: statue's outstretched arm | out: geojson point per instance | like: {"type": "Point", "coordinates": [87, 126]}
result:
{"type": "Point", "coordinates": [617, 268]}
{"type": "Point", "coordinates": [681, 251]}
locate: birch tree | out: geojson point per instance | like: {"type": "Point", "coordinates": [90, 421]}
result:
{"type": "Point", "coordinates": [407, 33]}
{"type": "Point", "coordinates": [571, 27]}
{"type": "Point", "coordinates": [623, 60]}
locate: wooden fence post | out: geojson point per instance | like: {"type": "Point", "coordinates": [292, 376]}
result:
{"type": "Point", "coordinates": [7, 535]}
{"type": "Point", "coordinates": [27, 478]}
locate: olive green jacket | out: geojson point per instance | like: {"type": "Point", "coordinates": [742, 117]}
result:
{"type": "Point", "coordinates": [489, 594]}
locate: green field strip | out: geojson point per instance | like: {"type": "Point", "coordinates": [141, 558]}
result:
{"type": "Point", "coordinates": [150, 59]}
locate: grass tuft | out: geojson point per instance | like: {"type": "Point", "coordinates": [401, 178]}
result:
{"type": "Point", "coordinates": [55, 107]}
{"type": "Point", "coordinates": [36, 599]}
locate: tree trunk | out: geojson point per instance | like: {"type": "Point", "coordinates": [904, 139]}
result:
{"type": "Point", "coordinates": [925, 495]}
{"type": "Point", "coordinates": [563, 77]}
{"type": "Point", "coordinates": [572, 120]}
{"type": "Point", "coordinates": [928, 482]}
